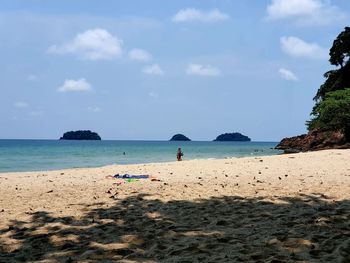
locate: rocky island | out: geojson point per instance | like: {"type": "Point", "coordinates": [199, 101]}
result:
{"type": "Point", "coordinates": [230, 137]}
{"type": "Point", "coordinates": [180, 137]}
{"type": "Point", "coordinates": [81, 135]}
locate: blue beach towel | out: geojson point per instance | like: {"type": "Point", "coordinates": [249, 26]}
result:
{"type": "Point", "coordinates": [130, 176]}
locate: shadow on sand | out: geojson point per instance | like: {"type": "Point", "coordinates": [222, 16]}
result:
{"type": "Point", "coordinates": [226, 229]}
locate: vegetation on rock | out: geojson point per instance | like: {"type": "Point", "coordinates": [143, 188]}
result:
{"type": "Point", "coordinates": [179, 137]}
{"type": "Point", "coordinates": [80, 135]}
{"type": "Point", "coordinates": [235, 136]}
{"type": "Point", "coordinates": [331, 111]}
{"type": "Point", "coordinates": [329, 126]}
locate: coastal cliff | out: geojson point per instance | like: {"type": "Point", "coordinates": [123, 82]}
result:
{"type": "Point", "coordinates": [313, 141]}
{"type": "Point", "coordinates": [81, 135]}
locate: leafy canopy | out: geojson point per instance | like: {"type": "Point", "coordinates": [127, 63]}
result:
{"type": "Point", "coordinates": [339, 56]}
{"type": "Point", "coordinates": [332, 108]}
{"type": "Point", "coordinates": [340, 51]}
{"type": "Point", "coordinates": [333, 113]}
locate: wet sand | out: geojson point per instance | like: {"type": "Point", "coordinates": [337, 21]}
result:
{"type": "Point", "coordinates": [286, 208]}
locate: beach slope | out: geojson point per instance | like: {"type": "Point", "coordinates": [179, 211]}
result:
{"type": "Point", "coordinates": [285, 208]}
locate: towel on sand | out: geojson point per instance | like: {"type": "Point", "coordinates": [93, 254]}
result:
{"type": "Point", "coordinates": [131, 176]}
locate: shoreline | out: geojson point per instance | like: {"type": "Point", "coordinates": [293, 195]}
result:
{"type": "Point", "coordinates": [291, 207]}
{"type": "Point", "coordinates": [142, 163]}
{"type": "Point", "coordinates": [53, 155]}
{"type": "Point", "coordinates": [167, 162]}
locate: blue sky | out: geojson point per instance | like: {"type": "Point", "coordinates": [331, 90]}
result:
{"type": "Point", "coordinates": [150, 69]}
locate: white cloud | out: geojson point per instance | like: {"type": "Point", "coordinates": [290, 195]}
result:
{"type": "Point", "coordinates": [287, 74]}
{"type": "Point", "coordinates": [202, 70]}
{"type": "Point", "coordinates": [75, 85]}
{"type": "Point", "coordinates": [36, 113]}
{"type": "Point", "coordinates": [312, 12]}
{"type": "Point", "coordinates": [94, 109]}
{"type": "Point", "coordinates": [32, 78]}
{"type": "Point", "coordinates": [20, 104]}
{"type": "Point", "coordinates": [139, 55]}
{"type": "Point", "coordinates": [297, 47]}
{"type": "Point", "coordinates": [93, 44]}
{"type": "Point", "coordinates": [287, 8]}
{"type": "Point", "coordinates": [154, 69]}
{"type": "Point", "coordinates": [192, 14]}
{"type": "Point", "coordinates": [153, 94]}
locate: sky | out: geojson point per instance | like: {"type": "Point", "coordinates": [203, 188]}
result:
{"type": "Point", "coordinates": [146, 70]}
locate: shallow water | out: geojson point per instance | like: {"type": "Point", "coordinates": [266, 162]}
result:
{"type": "Point", "coordinates": [37, 155]}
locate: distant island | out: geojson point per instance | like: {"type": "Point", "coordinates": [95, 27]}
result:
{"type": "Point", "coordinates": [235, 136]}
{"type": "Point", "coordinates": [81, 135]}
{"type": "Point", "coordinates": [180, 137]}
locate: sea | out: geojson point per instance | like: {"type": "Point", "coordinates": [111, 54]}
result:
{"type": "Point", "coordinates": [43, 155]}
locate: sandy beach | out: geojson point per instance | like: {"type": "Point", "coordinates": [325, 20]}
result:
{"type": "Point", "coordinates": [285, 208]}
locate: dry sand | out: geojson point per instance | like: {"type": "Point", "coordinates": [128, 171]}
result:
{"type": "Point", "coordinates": [287, 208]}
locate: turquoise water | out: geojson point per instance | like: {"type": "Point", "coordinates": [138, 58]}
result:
{"type": "Point", "coordinates": [39, 155]}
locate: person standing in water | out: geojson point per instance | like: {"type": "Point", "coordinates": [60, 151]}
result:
{"type": "Point", "coordinates": [179, 154]}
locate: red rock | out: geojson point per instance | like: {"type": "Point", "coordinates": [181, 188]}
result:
{"type": "Point", "coordinates": [313, 141]}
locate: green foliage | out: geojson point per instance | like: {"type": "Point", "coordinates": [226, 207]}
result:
{"type": "Point", "coordinates": [179, 137]}
{"type": "Point", "coordinates": [80, 135]}
{"type": "Point", "coordinates": [340, 50]}
{"type": "Point", "coordinates": [332, 109]}
{"type": "Point", "coordinates": [335, 80]}
{"type": "Point", "coordinates": [333, 113]}
{"type": "Point", "coordinates": [339, 56]}
{"type": "Point", "coordinates": [235, 136]}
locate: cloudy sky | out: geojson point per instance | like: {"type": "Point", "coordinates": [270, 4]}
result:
{"type": "Point", "coordinates": [149, 69]}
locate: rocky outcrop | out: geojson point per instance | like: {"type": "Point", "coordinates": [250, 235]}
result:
{"type": "Point", "coordinates": [229, 137]}
{"type": "Point", "coordinates": [180, 137]}
{"type": "Point", "coordinates": [80, 135]}
{"type": "Point", "coordinates": [313, 141]}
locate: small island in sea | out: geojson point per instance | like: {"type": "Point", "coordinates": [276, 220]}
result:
{"type": "Point", "coordinates": [180, 137]}
{"type": "Point", "coordinates": [81, 135]}
{"type": "Point", "coordinates": [229, 137]}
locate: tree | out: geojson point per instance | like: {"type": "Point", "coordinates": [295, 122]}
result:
{"type": "Point", "coordinates": [333, 113]}
{"type": "Point", "coordinates": [339, 56]}
{"type": "Point", "coordinates": [340, 51]}
{"type": "Point", "coordinates": [332, 109]}
{"type": "Point", "coordinates": [335, 80]}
